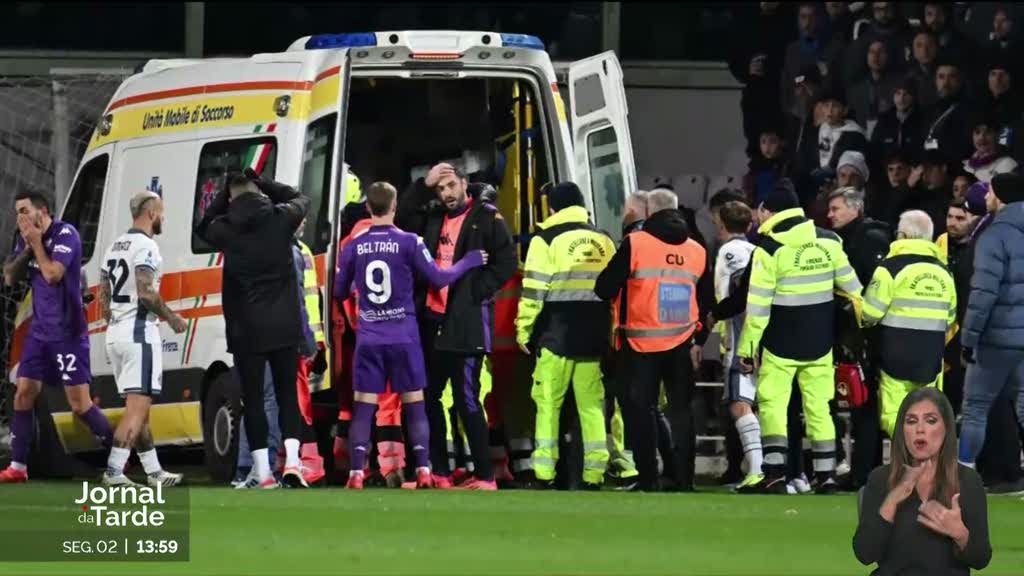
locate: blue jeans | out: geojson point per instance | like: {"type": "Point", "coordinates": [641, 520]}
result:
{"type": "Point", "coordinates": [994, 373]}
{"type": "Point", "coordinates": [270, 406]}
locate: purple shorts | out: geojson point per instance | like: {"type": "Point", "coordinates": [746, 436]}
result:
{"type": "Point", "coordinates": [55, 363]}
{"type": "Point", "coordinates": [400, 364]}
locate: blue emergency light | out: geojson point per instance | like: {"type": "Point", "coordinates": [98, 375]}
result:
{"type": "Point", "coordinates": [522, 41]}
{"type": "Point", "coordinates": [348, 40]}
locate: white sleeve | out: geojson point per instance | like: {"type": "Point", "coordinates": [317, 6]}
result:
{"type": "Point", "coordinates": [721, 274]}
{"type": "Point", "coordinates": [146, 255]}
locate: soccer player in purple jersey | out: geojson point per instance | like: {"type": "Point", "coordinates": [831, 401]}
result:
{"type": "Point", "coordinates": [49, 253]}
{"type": "Point", "coordinates": [380, 262]}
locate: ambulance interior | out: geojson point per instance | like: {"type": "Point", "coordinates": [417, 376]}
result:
{"type": "Point", "coordinates": [491, 127]}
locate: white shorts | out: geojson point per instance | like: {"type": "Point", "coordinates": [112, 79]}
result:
{"type": "Point", "coordinates": [138, 366]}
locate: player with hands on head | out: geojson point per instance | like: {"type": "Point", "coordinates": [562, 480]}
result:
{"type": "Point", "coordinates": [380, 263]}
{"type": "Point", "coordinates": [48, 252]}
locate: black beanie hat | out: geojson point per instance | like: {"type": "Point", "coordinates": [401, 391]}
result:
{"type": "Point", "coordinates": [1009, 188]}
{"type": "Point", "coordinates": [782, 197]}
{"type": "Point", "coordinates": [564, 195]}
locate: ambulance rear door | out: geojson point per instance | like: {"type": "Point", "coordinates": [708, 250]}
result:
{"type": "Point", "coordinates": [340, 61]}
{"type": "Point", "coordinates": [602, 149]}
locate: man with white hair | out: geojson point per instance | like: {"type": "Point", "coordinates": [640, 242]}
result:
{"type": "Point", "coordinates": [658, 277]}
{"type": "Point", "coordinates": [130, 302]}
{"type": "Point", "coordinates": [912, 297]}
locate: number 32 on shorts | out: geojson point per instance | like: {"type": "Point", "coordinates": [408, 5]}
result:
{"type": "Point", "coordinates": [66, 363]}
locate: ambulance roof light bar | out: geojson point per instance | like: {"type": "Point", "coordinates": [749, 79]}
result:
{"type": "Point", "coordinates": [521, 41]}
{"type": "Point", "coordinates": [348, 40]}
{"type": "Point", "coordinates": [366, 39]}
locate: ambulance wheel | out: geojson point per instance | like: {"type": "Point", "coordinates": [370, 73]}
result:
{"type": "Point", "coordinates": [222, 414]}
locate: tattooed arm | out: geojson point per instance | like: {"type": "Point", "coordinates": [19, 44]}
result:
{"type": "Point", "coordinates": [16, 267]}
{"type": "Point", "coordinates": [149, 296]}
{"type": "Point", "coordinates": [105, 296]}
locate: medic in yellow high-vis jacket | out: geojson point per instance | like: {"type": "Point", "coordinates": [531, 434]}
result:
{"type": "Point", "coordinates": [912, 296]}
{"type": "Point", "coordinates": [567, 325]}
{"type": "Point", "coordinates": [790, 314]}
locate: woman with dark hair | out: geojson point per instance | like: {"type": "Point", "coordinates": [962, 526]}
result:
{"type": "Point", "coordinates": [923, 513]}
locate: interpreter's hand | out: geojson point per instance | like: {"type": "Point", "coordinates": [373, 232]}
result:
{"type": "Point", "coordinates": [30, 231]}
{"type": "Point", "coordinates": [946, 521]}
{"type": "Point", "coordinates": [696, 356]}
{"type": "Point", "coordinates": [437, 172]}
{"type": "Point", "coordinates": [178, 324]}
{"type": "Point", "coordinates": [911, 476]}
{"type": "Point", "coordinates": [746, 365]}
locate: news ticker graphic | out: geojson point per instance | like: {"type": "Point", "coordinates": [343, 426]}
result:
{"type": "Point", "coordinates": [82, 521]}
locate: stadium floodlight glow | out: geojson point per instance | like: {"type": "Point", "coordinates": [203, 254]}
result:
{"type": "Point", "coordinates": [522, 41]}
{"type": "Point", "coordinates": [347, 40]}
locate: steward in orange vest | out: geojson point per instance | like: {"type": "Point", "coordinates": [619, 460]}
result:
{"type": "Point", "coordinates": [659, 274]}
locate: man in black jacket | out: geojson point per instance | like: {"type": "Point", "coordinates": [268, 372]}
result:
{"type": "Point", "coordinates": [667, 225]}
{"type": "Point", "coordinates": [866, 243]}
{"type": "Point", "coordinates": [458, 321]}
{"type": "Point", "coordinates": [253, 222]}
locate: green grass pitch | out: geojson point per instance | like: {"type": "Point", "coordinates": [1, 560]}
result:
{"type": "Point", "coordinates": [292, 533]}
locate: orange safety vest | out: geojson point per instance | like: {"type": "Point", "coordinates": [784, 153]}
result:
{"type": "Point", "coordinates": [661, 292]}
{"type": "Point", "coordinates": [349, 304]}
{"type": "Point", "coordinates": [506, 307]}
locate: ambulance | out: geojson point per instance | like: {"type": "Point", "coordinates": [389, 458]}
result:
{"type": "Point", "coordinates": [386, 105]}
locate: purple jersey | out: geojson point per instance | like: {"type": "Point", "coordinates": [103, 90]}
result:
{"type": "Point", "coordinates": [57, 311]}
{"type": "Point", "coordinates": [379, 265]}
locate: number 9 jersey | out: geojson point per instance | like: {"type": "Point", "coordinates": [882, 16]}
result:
{"type": "Point", "coordinates": [380, 263]}
{"type": "Point", "coordinates": [134, 345]}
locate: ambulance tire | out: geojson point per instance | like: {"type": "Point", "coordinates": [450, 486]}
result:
{"type": "Point", "coordinates": [222, 415]}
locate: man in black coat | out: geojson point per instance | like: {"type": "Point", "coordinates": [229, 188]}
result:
{"type": "Point", "coordinates": [866, 243]}
{"type": "Point", "coordinates": [458, 322]}
{"type": "Point", "coordinates": [253, 222]}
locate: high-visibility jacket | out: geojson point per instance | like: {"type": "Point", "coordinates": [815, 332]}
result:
{"type": "Point", "coordinates": [943, 243]}
{"type": "Point", "coordinates": [559, 310]}
{"type": "Point", "coordinates": [661, 292]}
{"type": "Point", "coordinates": [506, 307]}
{"type": "Point", "coordinates": [794, 270]}
{"type": "Point", "coordinates": [311, 294]}
{"type": "Point", "coordinates": [912, 296]}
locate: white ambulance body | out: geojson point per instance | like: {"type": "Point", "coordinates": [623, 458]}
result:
{"type": "Point", "coordinates": [397, 101]}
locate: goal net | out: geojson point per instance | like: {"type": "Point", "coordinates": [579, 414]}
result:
{"type": "Point", "coordinates": [45, 125]}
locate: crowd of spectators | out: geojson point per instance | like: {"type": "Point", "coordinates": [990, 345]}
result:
{"type": "Point", "coordinates": [912, 111]}
{"type": "Point", "coordinates": [873, 109]}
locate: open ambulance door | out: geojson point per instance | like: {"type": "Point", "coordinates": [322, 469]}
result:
{"type": "Point", "coordinates": [602, 149]}
{"type": "Point", "coordinates": [339, 59]}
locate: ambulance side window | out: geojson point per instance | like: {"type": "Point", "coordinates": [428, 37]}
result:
{"type": "Point", "coordinates": [316, 181]}
{"type": "Point", "coordinates": [606, 180]}
{"type": "Point", "coordinates": [83, 207]}
{"type": "Point", "coordinates": [216, 160]}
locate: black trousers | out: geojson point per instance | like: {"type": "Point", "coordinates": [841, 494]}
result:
{"type": "Point", "coordinates": [464, 373]}
{"type": "Point", "coordinates": [284, 366]}
{"type": "Point", "coordinates": [646, 373]}
{"type": "Point", "coordinates": [866, 433]}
